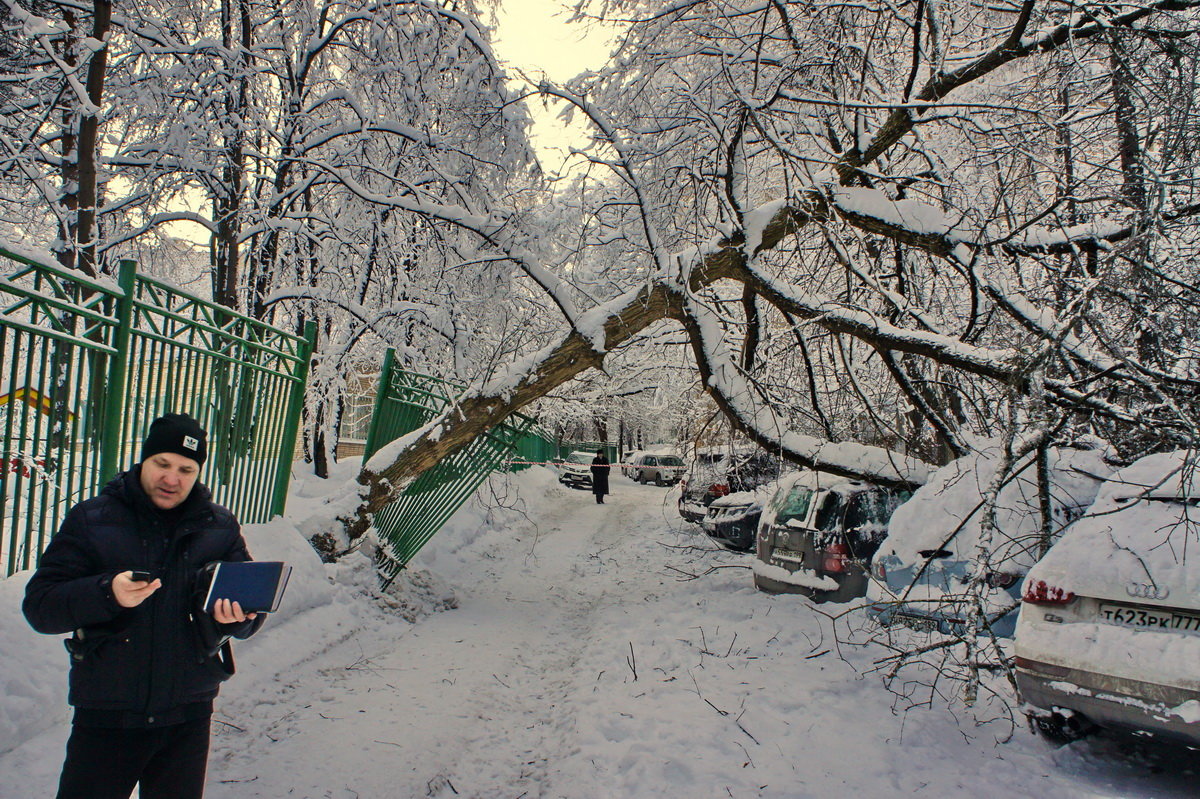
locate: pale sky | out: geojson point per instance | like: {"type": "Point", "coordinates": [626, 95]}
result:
{"type": "Point", "coordinates": [533, 35]}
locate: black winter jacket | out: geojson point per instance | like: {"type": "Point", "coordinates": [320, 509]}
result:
{"type": "Point", "coordinates": [600, 468]}
{"type": "Point", "coordinates": [149, 667]}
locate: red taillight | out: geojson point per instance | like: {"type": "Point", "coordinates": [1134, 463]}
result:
{"type": "Point", "coordinates": [835, 559]}
{"type": "Point", "coordinates": [880, 571]}
{"type": "Point", "coordinates": [1039, 592]}
{"type": "Point", "coordinates": [719, 490]}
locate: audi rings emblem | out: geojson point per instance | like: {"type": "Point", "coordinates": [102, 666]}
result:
{"type": "Point", "coordinates": [1147, 591]}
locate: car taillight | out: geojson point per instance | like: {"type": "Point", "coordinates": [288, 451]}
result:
{"type": "Point", "coordinates": [1039, 592]}
{"type": "Point", "coordinates": [880, 571]}
{"type": "Point", "coordinates": [835, 559]}
{"type": "Point", "coordinates": [1002, 579]}
{"type": "Point", "coordinates": [719, 490]}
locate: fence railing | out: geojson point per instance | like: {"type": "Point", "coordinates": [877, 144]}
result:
{"type": "Point", "coordinates": [534, 447]}
{"type": "Point", "coordinates": [88, 364]}
{"type": "Point", "coordinates": [405, 401]}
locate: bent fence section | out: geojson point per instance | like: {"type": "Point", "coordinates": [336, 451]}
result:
{"type": "Point", "coordinates": [404, 402]}
{"type": "Point", "coordinates": [88, 364]}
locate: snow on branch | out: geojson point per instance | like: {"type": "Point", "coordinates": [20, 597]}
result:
{"type": "Point", "coordinates": [488, 226]}
{"type": "Point", "coordinates": [726, 383]}
{"type": "Point", "coordinates": [1016, 44]}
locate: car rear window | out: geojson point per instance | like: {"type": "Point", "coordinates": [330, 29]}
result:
{"type": "Point", "coordinates": [869, 512]}
{"type": "Point", "coordinates": [794, 504]}
{"type": "Point", "coordinates": [829, 514]}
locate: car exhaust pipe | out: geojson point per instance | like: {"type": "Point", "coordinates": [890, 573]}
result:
{"type": "Point", "coordinates": [1063, 726]}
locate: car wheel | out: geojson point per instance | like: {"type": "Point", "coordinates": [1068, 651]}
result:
{"type": "Point", "coordinates": [658, 481]}
{"type": "Point", "coordinates": [641, 478]}
{"type": "Point", "coordinates": [1061, 729]}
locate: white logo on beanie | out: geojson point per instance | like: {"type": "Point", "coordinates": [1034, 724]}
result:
{"type": "Point", "coordinates": [191, 443]}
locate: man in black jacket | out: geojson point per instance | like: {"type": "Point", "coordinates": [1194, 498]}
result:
{"type": "Point", "coordinates": [120, 575]}
{"type": "Point", "coordinates": [600, 468]}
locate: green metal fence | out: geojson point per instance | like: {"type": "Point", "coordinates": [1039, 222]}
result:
{"type": "Point", "coordinates": [610, 450]}
{"type": "Point", "coordinates": [88, 364]}
{"type": "Point", "coordinates": [405, 401]}
{"type": "Point", "coordinates": [534, 447]}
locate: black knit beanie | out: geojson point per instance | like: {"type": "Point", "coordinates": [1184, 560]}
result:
{"type": "Point", "coordinates": [177, 433]}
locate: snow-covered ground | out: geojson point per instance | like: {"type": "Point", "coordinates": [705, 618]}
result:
{"type": "Point", "coordinates": [582, 651]}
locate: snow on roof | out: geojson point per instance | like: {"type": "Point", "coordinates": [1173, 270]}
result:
{"type": "Point", "coordinates": [1135, 528]}
{"type": "Point", "coordinates": [817, 480]}
{"type": "Point", "coordinates": [947, 511]}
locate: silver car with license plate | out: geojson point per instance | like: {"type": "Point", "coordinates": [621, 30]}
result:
{"type": "Point", "coordinates": [1109, 629]}
{"type": "Point", "coordinates": [662, 469]}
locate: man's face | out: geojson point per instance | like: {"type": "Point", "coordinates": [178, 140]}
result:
{"type": "Point", "coordinates": [168, 478]}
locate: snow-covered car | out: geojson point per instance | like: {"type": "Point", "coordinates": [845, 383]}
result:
{"type": "Point", "coordinates": [1109, 629]}
{"type": "Point", "coordinates": [717, 473]}
{"type": "Point", "coordinates": [732, 520]}
{"type": "Point", "coordinates": [818, 534]}
{"type": "Point", "coordinates": [923, 569]}
{"type": "Point", "coordinates": [658, 468]}
{"type": "Point", "coordinates": [630, 462]}
{"type": "Point", "coordinates": [576, 469]}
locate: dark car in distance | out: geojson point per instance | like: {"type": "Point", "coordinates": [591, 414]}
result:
{"type": "Point", "coordinates": [719, 472]}
{"type": "Point", "coordinates": [732, 520]}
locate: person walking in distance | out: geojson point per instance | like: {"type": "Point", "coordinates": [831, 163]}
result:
{"type": "Point", "coordinates": [120, 575]}
{"type": "Point", "coordinates": [600, 469]}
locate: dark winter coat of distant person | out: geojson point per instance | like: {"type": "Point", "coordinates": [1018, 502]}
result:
{"type": "Point", "coordinates": [143, 674]}
{"type": "Point", "coordinates": [600, 469]}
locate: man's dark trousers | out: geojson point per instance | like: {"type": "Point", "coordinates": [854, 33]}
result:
{"type": "Point", "coordinates": [105, 763]}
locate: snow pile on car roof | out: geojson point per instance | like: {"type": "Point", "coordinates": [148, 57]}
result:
{"type": "Point", "coordinates": [946, 513]}
{"type": "Point", "coordinates": [1147, 513]}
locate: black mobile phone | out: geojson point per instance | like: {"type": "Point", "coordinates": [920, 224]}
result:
{"type": "Point", "coordinates": [141, 576]}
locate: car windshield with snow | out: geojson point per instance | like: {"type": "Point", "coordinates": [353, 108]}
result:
{"type": "Point", "coordinates": [818, 534]}
{"type": "Point", "coordinates": [938, 553]}
{"type": "Point", "coordinates": [1109, 628]}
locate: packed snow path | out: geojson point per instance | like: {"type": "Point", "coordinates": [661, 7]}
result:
{"type": "Point", "coordinates": [473, 702]}
{"type": "Point", "coordinates": [581, 663]}
{"type": "Point", "coordinates": [578, 664]}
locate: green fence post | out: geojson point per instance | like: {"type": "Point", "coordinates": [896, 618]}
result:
{"type": "Point", "coordinates": [114, 402]}
{"type": "Point", "coordinates": [381, 392]}
{"type": "Point", "coordinates": [287, 446]}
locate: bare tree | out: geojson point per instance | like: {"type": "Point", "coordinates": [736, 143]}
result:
{"type": "Point", "coordinates": [887, 185]}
